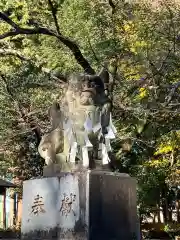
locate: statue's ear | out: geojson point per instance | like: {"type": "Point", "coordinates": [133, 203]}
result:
{"type": "Point", "coordinates": [104, 75]}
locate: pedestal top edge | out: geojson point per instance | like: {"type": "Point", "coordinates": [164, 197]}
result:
{"type": "Point", "coordinates": [91, 172]}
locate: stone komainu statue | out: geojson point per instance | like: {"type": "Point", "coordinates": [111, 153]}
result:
{"type": "Point", "coordinates": [81, 123]}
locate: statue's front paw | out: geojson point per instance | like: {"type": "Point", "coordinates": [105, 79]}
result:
{"type": "Point", "coordinates": [48, 161]}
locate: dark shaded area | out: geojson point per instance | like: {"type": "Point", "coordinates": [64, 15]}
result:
{"type": "Point", "coordinates": [9, 233]}
{"type": "Point", "coordinates": [95, 207]}
{"type": "Point", "coordinates": [112, 209]}
{"type": "Point", "coordinates": [157, 235]}
{"type": "Point", "coordinates": [40, 234]}
{"type": "Point", "coordinates": [53, 233]}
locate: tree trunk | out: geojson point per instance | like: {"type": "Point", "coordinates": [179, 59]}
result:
{"type": "Point", "coordinates": [177, 210]}
{"type": "Point", "coordinates": [13, 209]}
{"type": "Point", "coordinates": [4, 209]}
{"type": "Point", "coordinates": [165, 211]}
{"type": "Point", "coordinates": [158, 214]}
{"type": "Point", "coordinates": [19, 213]}
{"type": "Point", "coordinates": [170, 215]}
{"type": "Point", "coordinates": [165, 203]}
{"type": "Point", "coordinates": [178, 205]}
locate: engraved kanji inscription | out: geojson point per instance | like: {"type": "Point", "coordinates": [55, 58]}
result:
{"type": "Point", "coordinates": [66, 204]}
{"type": "Point", "coordinates": [38, 205]}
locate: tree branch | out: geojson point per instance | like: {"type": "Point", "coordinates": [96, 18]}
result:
{"type": "Point", "coordinates": [33, 126]}
{"type": "Point", "coordinates": [11, 52]}
{"type": "Point", "coordinates": [14, 53]}
{"type": "Point", "coordinates": [54, 14]}
{"type": "Point", "coordinates": [173, 90]}
{"type": "Point", "coordinates": [5, 18]}
{"type": "Point", "coordinates": [42, 30]}
{"type": "Point", "coordinates": [112, 5]}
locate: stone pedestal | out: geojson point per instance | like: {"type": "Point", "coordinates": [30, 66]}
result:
{"type": "Point", "coordinates": [86, 205]}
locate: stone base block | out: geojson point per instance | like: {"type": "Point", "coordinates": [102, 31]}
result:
{"type": "Point", "coordinates": [86, 205]}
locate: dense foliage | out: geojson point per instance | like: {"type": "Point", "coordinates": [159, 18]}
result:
{"type": "Point", "coordinates": [41, 41]}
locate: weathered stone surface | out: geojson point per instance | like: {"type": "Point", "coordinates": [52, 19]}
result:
{"type": "Point", "coordinates": [60, 213]}
{"type": "Point", "coordinates": [36, 212]}
{"type": "Point", "coordinates": [80, 123]}
{"type": "Point", "coordinates": [83, 205]}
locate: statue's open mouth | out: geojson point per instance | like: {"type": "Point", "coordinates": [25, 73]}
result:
{"type": "Point", "coordinates": [90, 90]}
